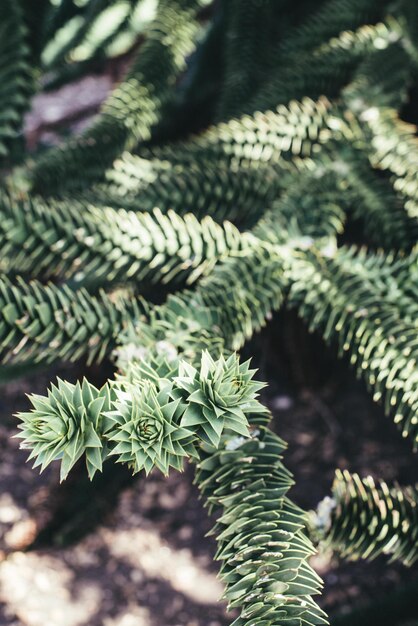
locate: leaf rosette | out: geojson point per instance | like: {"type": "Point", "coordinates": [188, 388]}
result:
{"type": "Point", "coordinates": [146, 428]}
{"type": "Point", "coordinates": [219, 395]}
{"type": "Point", "coordinates": [67, 423]}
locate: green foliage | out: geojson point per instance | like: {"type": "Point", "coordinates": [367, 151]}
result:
{"type": "Point", "coordinates": [393, 146]}
{"type": "Point", "coordinates": [365, 518]}
{"type": "Point", "coordinates": [67, 424]}
{"type": "Point", "coordinates": [248, 37]}
{"type": "Point", "coordinates": [98, 245]}
{"type": "Point", "coordinates": [154, 417]}
{"type": "Point", "coordinates": [350, 297]}
{"type": "Point", "coordinates": [148, 430]}
{"type": "Point", "coordinates": [216, 395]}
{"type": "Point", "coordinates": [257, 153]}
{"type": "Point", "coordinates": [15, 83]}
{"type": "Point", "coordinates": [45, 323]}
{"type": "Point", "coordinates": [218, 189]}
{"type": "Point", "coordinates": [87, 34]}
{"type": "Point", "coordinates": [260, 533]}
{"type": "Point", "coordinates": [135, 106]}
